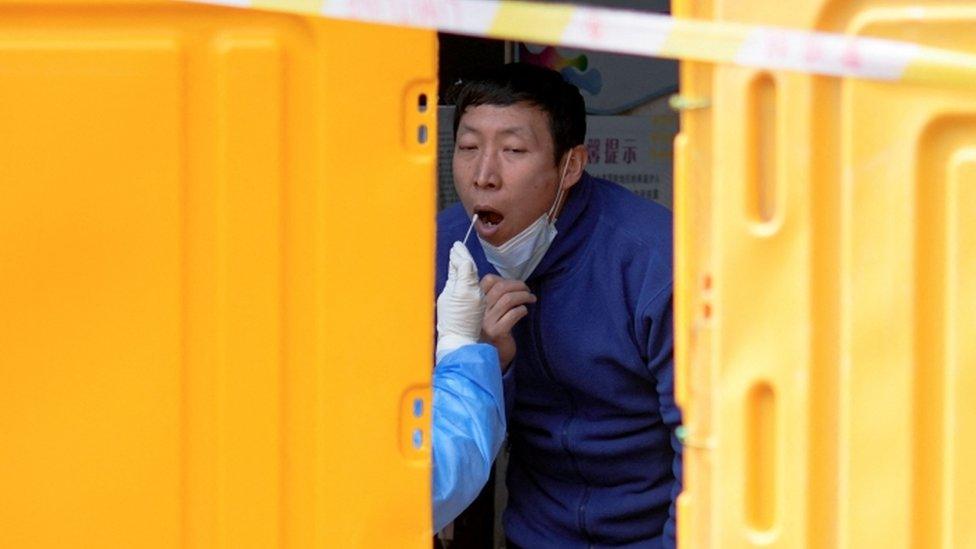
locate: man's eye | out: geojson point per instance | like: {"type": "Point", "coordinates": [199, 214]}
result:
{"type": "Point", "coordinates": [467, 147]}
{"type": "Point", "coordinates": [514, 150]}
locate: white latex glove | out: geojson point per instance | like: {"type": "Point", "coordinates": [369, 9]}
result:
{"type": "Point", "coordinates": [461, 305]}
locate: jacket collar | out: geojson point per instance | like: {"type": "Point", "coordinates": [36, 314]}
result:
{"type": "Point", "coordinates": [573, 228]}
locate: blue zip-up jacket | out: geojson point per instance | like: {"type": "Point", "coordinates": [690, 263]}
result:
{"type": "Point", "coordinates": [594, 460]}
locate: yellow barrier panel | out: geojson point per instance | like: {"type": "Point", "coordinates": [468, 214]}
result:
{"type": "Point", "coordinates": [213, 335]}
{"type": "Point", "coordinates": [826, 294]}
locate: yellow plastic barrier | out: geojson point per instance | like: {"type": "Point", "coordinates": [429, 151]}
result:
{"type": "Point", "coordinates": [216, 232]}
{"type": "Point", "coordinates": [826, 294]}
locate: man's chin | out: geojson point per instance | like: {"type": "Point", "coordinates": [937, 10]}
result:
{"type": "Point", "coordinates": [493, 234]}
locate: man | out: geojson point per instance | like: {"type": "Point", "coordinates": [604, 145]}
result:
{"type": "Point", "coordinates": [582, 268]}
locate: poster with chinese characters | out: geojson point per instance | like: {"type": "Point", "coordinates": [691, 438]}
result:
{"type": "Point", "coordinates": [633, 151]}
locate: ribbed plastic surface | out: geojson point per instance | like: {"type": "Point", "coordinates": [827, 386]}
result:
{"type": "Point", "coordinates": [826, 294]}
{"type": "Point", "coordinates": [216, 242]}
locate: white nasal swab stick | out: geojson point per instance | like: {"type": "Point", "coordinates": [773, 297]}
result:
{"type": "Point", "coordinates": [467, 234]}
{"type": "Point", "coordinates": [465, 242]}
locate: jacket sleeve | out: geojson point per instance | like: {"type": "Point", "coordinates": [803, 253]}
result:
{"type": "Point", "coordinates": [659, 350]}
{"type": "Point", "coordinates": [468, 427]}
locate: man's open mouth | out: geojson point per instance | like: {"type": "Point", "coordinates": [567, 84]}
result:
{"type": "Point", "coordinates": [489, 217]}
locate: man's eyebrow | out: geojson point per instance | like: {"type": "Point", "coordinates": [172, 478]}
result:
{"type": "Point", "coordinates": [512, 130]}
{"type": "Point", "coordinates": [517, 130]}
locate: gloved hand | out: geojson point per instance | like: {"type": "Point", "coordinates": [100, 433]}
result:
{"type": "Point", "coordinates": [461, 305]}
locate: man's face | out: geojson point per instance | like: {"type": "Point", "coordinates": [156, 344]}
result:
{"type": "Point", "coordinates": [503, 168]}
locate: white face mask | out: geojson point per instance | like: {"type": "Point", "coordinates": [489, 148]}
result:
{"type": "Point", "coordinates": [521, 254]}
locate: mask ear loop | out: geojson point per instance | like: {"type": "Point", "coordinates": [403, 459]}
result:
{"type": "Point", "coordinates": [551, 216]}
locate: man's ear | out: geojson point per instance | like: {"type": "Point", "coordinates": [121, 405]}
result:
{"type": "Point", "coordinates": [577, 157]}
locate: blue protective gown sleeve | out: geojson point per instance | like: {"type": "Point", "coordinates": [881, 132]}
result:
{"type": "Point", "coordinates": [468, 425]}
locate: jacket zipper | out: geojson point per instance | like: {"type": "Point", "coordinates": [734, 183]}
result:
{"type": "Point", "coordinates": [564, 433]}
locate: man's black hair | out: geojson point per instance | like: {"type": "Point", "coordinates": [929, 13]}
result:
{"type": "Point", "coordinates": [533, 85]}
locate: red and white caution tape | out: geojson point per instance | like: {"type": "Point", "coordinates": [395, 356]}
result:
{"type": "Point", "coordinates": [652, 35]}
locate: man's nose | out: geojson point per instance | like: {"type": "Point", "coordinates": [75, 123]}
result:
{"type": "Point", "coordinates": [486, 174]}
